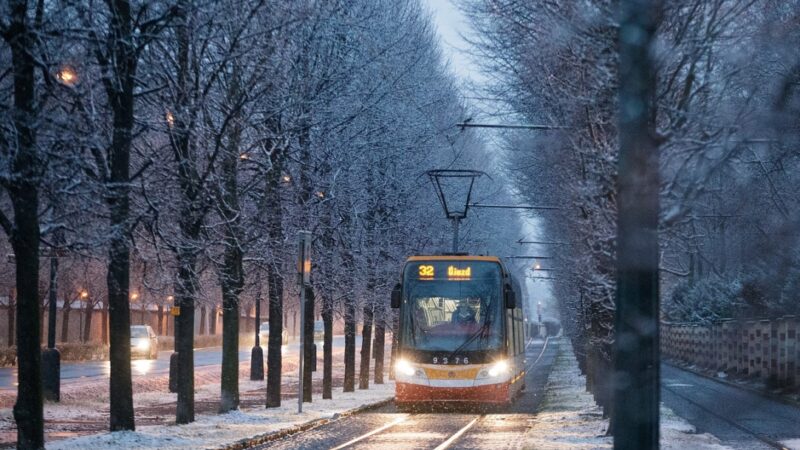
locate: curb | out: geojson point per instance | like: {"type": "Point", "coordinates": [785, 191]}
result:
{"type": "Point", "coordinates": [730, 383]}
{"type": "Point", "coordinates": [275, 435]}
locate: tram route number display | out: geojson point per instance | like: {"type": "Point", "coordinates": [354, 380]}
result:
{"type": "Point", "coordinates": [428, 272]}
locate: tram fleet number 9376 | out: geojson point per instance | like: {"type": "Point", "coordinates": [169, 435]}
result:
{"type": "Point", "coordinates": [462, 332]}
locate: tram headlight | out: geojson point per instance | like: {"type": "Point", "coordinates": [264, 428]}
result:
{"type": "Point", "coordinates": [499, 368]}
{"type": "Point", "coordinates": [404, 367]}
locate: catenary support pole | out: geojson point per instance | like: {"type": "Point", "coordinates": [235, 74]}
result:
{"type": "Point", "coordinates": [455, 234]}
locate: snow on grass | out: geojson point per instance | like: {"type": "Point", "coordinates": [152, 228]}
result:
{"type": "Point", "coordinates": [570, 419]}
{"type": "Point", "coordinates": [216, 430]}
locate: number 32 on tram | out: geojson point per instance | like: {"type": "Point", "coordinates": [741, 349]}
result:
{"type": "Point", "coordinates": [462, 333]}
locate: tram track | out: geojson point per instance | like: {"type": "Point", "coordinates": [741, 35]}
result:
{"type": "Point", "coordinates": [750, 432]}
{"type": "Point", "coordinates": [451, 438]}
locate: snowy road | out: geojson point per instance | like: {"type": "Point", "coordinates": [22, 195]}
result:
{"type": "Point", "coordinates": [73, 371]}
{"type": "Point", "coordinates": [386, 427]}
{"type": "Point", "coordinates": [738, 417]}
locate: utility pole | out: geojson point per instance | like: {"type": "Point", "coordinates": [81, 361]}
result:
{"type": "Point", "coordinates": [635, 414]}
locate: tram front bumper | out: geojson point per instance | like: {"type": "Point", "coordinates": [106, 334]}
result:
{"type": "Point", "coordinates": [417, 393]}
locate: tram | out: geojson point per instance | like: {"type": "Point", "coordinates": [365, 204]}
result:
{"type": "Point", "coordinates": [462, 332]}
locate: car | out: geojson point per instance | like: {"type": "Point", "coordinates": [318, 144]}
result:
{"type": "Point", "coordinates": [263, 335]}
{"type": "Point", "coordinates": [144, 341]}
{"type": "Point", "coordinates": [319, 330]}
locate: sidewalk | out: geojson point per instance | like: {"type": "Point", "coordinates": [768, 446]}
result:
{"type": "Point", "coordinates": [570, 419]}
{"type": "Point", "coordinates": [221, 430]}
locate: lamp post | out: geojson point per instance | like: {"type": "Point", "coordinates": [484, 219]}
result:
{"type": "Point", "coordinates": [51, 357]}
{"type": "Point", "coordinates": [257, 353]}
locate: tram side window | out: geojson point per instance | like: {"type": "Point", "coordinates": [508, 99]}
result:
{"type": "Point", "coordinates": [519, 331]}
{"type": "Point", "coordinates": [510, 333]}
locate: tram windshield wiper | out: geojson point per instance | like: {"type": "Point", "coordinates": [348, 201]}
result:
{"type": "Point", "coordinates": [480, 332]}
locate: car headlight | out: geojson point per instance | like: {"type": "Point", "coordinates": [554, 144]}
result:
{"type": "Point", "coordinates": [404, 367]}
{"type": "Point", "coordinates": [143, 344]}
{"type": "Point", "coordinates": [499, 368]}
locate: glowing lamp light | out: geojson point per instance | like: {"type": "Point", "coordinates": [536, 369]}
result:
{"type": "Point", "coordinates": [320, 194]}
{"type": "Point", "coordinates": [84, 295]}
{"type": "Point", "coordinates": [244, 156]}
{"type": "Point", "coordinates": [170, 119]}
{"type": "Point", "coordinates": [67, 75]}
{"type": "Point", "coordinates": [286, 178]}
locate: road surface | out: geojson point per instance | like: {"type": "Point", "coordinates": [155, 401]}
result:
{"type": "Point", "coordinates": [739, 418]}
{"type": "Point", "coordinates": [387, 427]}
{"type": "Point", "coordinates": [74, 371]}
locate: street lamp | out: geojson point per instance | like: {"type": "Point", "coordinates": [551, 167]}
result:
{"type": "Point", "coordinates": [67, 75]}
{"type": "Point", "coordinates": [454, 189]}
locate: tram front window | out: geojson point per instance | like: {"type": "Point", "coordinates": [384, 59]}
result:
{"type": "Point", "coordinates": [449, 314]}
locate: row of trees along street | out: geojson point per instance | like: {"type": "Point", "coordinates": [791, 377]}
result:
{"type": "Point", "coordinates": [174, 148]}
{"type": "Point", "coordinates": [726, 121]}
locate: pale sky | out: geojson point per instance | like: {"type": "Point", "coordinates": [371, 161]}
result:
{"type": "Point", "coordinates": [451, 25]}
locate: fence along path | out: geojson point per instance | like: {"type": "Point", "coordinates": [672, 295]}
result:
{"type": "Point", "coordinates": [763, 349]}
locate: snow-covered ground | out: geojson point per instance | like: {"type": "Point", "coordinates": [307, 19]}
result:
{"type": "Point", "coordinates": [570, 419]}
{"type": "Point", "coordinates": [218, 430]}
{"type": "Point", "coordinates": [83, 410]}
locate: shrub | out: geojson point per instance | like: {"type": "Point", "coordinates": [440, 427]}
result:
{"type": "Point", "coordinates": [8, 356]}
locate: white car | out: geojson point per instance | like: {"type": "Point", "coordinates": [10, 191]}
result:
{"type": "Point", "coordinates": [144, 341]}
{"type": "Point", "coordinates": [263, 335]}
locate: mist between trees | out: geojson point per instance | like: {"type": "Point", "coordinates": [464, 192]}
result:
{"type": "Point", "coordinates": [167, 152]}
{"type": "Point", "coordinates": [727, 120]}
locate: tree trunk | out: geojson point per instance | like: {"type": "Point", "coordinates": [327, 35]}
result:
{"type": "Point", "coordinates": [160, 327]}
{"type": "Point", "coordinates": [87, 322]}
{"type": "Point", "coordinates": [213, 325]}
{"type": "Point", "coordinates": [120, 79]}
{"type": "Point", "coordinates": [395, 342]}
{"type": "Point", "coordinates": [203, 319]}
{"type": "Point", "coordinates": [232, 282]}
{"type": "Point", "coordinates": [308, 336]}
{"type": "Point", "coordinates": [380, 339]}
{"type": "Point", "coordinates": [25, 242]}
{"type": "Point", "coordinates": [12, 308]}
{"type": "Point", "coordinates": [349, 340]}
{"type": "Point", "coordinates": [65, 322]}
{"type": "Point", "coordinates": [186, 292]}
{"type": "Point", "coordinates": [273, 206]}
{"type": "Point", "coordinates": [275, 284]}
{"type": "Point", "coordinates": [104, 322]}
{"type": "Point", "coordinates": [366, 343]}
{"type": "Point", "coordinates": [327, 347]}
